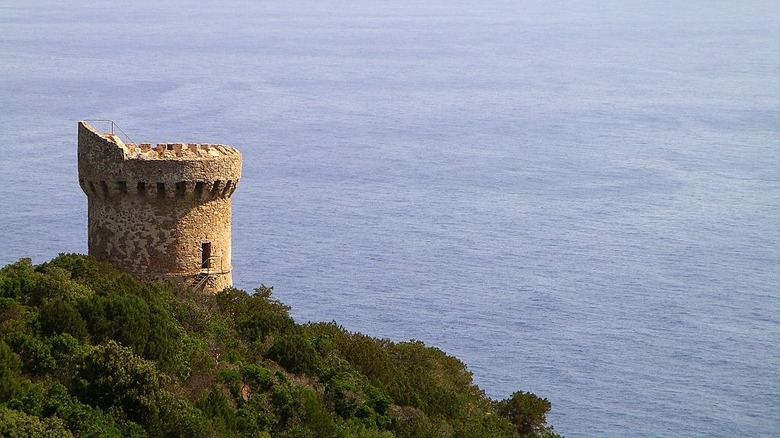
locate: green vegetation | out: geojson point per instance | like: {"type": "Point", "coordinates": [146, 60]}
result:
{"type": "Point", "coordinates": [88, 352]}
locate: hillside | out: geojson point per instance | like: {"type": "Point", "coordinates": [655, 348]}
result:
{"type": "Point", "coordinates": [86, 351]}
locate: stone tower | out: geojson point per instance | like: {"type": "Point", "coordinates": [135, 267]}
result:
{"type": "Point", "coordinates": [160, 212]}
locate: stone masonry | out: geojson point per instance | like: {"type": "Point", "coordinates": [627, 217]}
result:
{"type": "Point", "coordinates": [160, 212]}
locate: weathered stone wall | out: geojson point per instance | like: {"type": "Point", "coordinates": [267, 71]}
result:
{"type": "Point", "coordinates": [151, 209]}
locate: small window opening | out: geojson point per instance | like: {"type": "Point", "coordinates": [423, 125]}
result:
{"type": "Point", "coordinates": [205, 249]}
{"type": "Point", "coordinates": [216, 188]}
{"type": "Point", "coordinates": [161, 190]}
{"type": "Point", "coordinates": [141, 187]}
{"type": "Point", "coordinates": [181, 188]}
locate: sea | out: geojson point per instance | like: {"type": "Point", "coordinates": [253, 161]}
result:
{"type": "Point", "coordinates": [579, 199]}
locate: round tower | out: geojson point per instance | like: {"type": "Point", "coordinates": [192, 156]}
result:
{"type": "Point", "coordinates": [160, 212]}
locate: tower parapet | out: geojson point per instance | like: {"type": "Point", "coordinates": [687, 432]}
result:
{"type": "Point", "coordinates": [160, 211]}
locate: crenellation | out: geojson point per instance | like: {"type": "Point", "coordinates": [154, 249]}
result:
{"type": "Point", "coordinates": [153, 207]}
{"type": "Point", "coordinates": [168, 151]}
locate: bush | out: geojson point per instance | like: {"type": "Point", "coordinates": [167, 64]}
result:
{"type": "Point", "coordinates": [353, 396]}
{"type": "Point", "coordinates": [86, 270]}
{"type": "Point", "coordinates": [16, 424]}
{"type": "Point", "coordinates": [112, 377]}
{"type": "Point", "coordinates": [34, 352]}
{"type": "Point", "coordinates": [83, 420]}
{"type": "Point", "coordinates": [85, 350]}
{"type": "Point", "coordinates": [296, 353]}
{"type": "Point", "coordinates": [526, 411]}
{"type": "Point", "coordinates": [10, 366]}
{"type": "Point", "coordinates": [17, 280]}
{"type": "Point", "coordinates": [58, 316]}
{"type": "Point", "coordinates": [216, 406]}
{"type": "Point", "coordinates": [123, 318]}
{"type": "Point", "coordinates": [256, 316]}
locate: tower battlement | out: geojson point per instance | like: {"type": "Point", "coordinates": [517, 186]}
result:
{"type": "Point", "coordinates": [160, 211]}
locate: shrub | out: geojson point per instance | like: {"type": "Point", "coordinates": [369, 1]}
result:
{"type": "Point", "coordinates": [353, 396]}
{"type": "Point", "coordinates": [16, 424]}
{"type": "Point", "coordinates": [123, 318]}
{"type": "Point", "coordinates": [84, 269]}
{"type": "Point", "coordinates": [113, 377]}
{"type": "Point", "coordinates": [216, 406]}
{"type": "Point", "coordinates": [168, 362]}
{"type": "Point", "coordinates": [526, 411]}
{"type": "Point", "coordinates": [34, 353]}
{"type": "Point", "coordinates": [58, 316]}
{"type": "Point", "coordinates": [83, 420]}
{"type": "Point", "coordinates": [296, 353]}
{"type": "Point", "coordinates": [17, 280]}
{"type": "Point", "coordinates": [10, 366]}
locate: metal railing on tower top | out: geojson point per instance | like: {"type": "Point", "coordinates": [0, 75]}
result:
{"type": "Point", "coordinates": [112, 128]}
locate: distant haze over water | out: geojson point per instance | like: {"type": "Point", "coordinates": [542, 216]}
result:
{"type": "Point", "coordinates": [579, 200]}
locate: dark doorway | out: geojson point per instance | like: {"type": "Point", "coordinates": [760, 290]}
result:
{"type": "Point", "coordinates": [205, 249]}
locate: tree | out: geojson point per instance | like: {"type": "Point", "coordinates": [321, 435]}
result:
{"type": "Point", "coordinates": [112, 376]}
{"type": "Point", "coordinates": [59, 316]}
{"type": "Point", "coordinates": [527, 412]}
{"type": "Point", "coordinates": [10, 365]}
{"type": "Point", "coordinates": [17, 424]}
{"type": "Point", "coordinates": [88, 351]}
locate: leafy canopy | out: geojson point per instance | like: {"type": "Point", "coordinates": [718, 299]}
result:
{"type": "Point", "coordinates": [86, 351]}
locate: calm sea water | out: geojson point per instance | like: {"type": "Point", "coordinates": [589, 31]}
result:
{"type": "Point", "coordinates": [580, 200]}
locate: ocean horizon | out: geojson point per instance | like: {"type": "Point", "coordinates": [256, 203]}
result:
{"type": "Point", "coordinates": [577, 200]}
